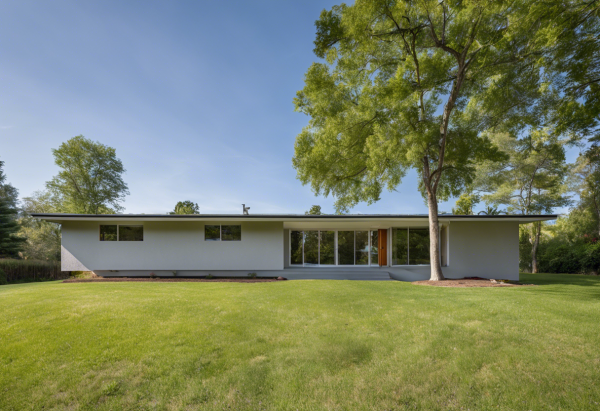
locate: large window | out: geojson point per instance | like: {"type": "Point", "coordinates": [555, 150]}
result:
{"type": "Point", "coordinates": [346, 247]}
{"type": "Point", "coordinates": [222, 232]}
{"type": "Point", "coordinates": [121, 232]}
{"type": "Point", "coordinates": [327, 248]}
{"type": "Point", "coordinates": [108, 232]}
{"type": "Point", "coordinates": [314, 247]}
{"type": "Point", "coordinates": [131, 233]}
{"type": "Point", "coordinates": [410, 246]}
{"type": "Point", "coordinates": [374, 247]}
{"type": "Point", "coordinates": [361, 247]}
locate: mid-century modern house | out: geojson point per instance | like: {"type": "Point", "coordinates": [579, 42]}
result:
{"type": "Point", "coordinates": [293, 246]}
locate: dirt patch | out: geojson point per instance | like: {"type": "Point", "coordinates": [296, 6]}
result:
{"type": "Point", "coordinates": [175, 280]}
{"type": "Point", "coordinates": [470, 282]}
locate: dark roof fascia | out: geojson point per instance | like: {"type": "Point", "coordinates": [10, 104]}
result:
{"type": "Point", "coordinates": [282, 216]}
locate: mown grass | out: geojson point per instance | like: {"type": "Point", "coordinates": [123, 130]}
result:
{"type": "Point", "coordinates": [300, 345]}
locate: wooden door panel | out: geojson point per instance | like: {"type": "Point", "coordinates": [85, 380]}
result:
{"type": "Point", "coordinates": [382, 252]}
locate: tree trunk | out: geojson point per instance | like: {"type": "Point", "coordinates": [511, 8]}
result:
{"type": "Point", "coordinates": [537, 231]}
{"type": "Point", "coordinates": [434, 239]}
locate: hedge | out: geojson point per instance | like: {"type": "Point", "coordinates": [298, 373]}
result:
{"type": "Point", "coordinates": [582, 258]}
{"type": "Point", "coordinates": [31, 270]}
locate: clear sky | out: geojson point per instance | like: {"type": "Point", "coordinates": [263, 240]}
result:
{"type": "Point", "coordinates": [196, 97]}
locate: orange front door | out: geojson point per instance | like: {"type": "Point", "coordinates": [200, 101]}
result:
{"type": "Point", "coordinates": [382, 240]}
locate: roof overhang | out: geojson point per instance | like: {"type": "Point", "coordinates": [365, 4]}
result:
{"type": "Point", "coordinates": [443, 218]}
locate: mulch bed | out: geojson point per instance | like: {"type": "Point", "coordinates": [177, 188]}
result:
{"type": "Point", "coordinates": [174, 280]}
{"type": "Point", "coordinates": [470, 282]}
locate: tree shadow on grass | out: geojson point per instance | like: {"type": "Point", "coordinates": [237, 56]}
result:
{"type": "Point", "coordinates": [568, 285]}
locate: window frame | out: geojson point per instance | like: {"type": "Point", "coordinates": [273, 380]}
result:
{"type": "Point", "coordinates": [118, 240]}
{"type": "Point", "coordinates": [335, 248]}
{"type": "Point", "coordinates": [407, 228]}
{"type": "Point", "coordinates": [221, 232]}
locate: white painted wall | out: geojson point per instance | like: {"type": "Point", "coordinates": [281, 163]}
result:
{"type": "Point", "coordinates": [177, 245]}
{"type": "Point", "coordinates": [476, 249]}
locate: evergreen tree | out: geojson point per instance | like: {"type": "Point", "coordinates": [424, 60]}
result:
{"type": "Point", "coordinates": [10, 242]}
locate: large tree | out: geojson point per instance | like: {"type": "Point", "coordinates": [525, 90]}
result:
{"type": "Point", "coordinates": [532, 180]}
{"type": "Point", "coordinates": [90, 178]}
{"type": "Point", "coordinates": [393, 91]}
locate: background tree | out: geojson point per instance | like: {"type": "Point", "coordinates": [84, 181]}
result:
{"type": "Point", "coordinates": [314, 210]}
{"type": "Point", "coordinates": [10, 242]}
{"type": "Point", "coordinates": [465, 204]}
{"type": "Point", "coordinates": [90, 180]}
{"type": "Point", "coordinates": [569, 52]}
{"type": "Point", "coordinates": [43, 237]}
{"type": "Point", "coordinates": [392, 93]}
{"type": "Point", "coordinates": [533, 180]}
{"type": "Point", "coordinates": [186, 207]}
{"type": "Point", "coordinates": [588, 172]}
{"type": "Point", "coordinates": [7, 192]}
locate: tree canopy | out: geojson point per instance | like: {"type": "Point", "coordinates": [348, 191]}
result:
{"type": "Point", "coordinates": [186, 207]}
{"type": "Point", "coordinates": [90, 178]}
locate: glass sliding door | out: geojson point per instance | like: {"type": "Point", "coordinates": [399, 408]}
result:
{"type": "Point", "coordinates": [399, 246]}
{"type": "Point", "coordinates": [346, 247]}
{"type": "Point", "coordinates": [296, 246]}
{"type": "Point", "coordinates": [311, 247]}
{"type": "Point", "coordinates": [418, 246]}
{"type": "Point", "coordinates": [374, 247]}
{"type": "Point", "coordinates": [362, 248]}
{"type": "Point", "coordinates": [327, 249]}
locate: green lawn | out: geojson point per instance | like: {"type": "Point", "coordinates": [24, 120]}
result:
{"type": "Point", "coordinates": [301, 345]}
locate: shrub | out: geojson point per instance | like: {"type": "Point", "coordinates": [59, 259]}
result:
{"type": "Point", "coordinates": [3, 279]}
{"type": "Point", "coordinates": [252, 275]}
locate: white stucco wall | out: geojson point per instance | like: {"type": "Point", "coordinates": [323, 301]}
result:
{"type": "Point", "coordinates": [177, 245]}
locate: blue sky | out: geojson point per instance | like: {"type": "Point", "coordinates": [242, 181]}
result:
{"type": "Point", "coordinates": [196, 97]}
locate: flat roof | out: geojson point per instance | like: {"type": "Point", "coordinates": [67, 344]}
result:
{"type": "Point", "coordinates": [57, 217]}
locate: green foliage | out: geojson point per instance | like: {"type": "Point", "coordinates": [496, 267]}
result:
{"type": "Point", "coordinates": [43, 237]}
{"type": "Point", "coordinates": [186, 207]}
{"type": "Point", "coordinates": [579, 258]}
{"type": "Point", "coordinates": [30, 270]}
{"type": "Point", "coordinates": [465, 204]}
{"type": "Point", "coordinates": [587, 173]}
{"type": "Point", "coordinates": [314, 210]}
{"type": "Point", "coordinates": [10, 243]}
{"type": "Point", "coordinates": [7, 191]}
{"type": "Point", "coordinates": [373, 108]}
{"type": "Point", "coordinates": [252, 275]}
{"type": "Point", "coordinates": [532, 179]}
{"type": "Point", "coordinates": [490, 210]}
{"type": "Point", "coordinates": [3, 279]}
{"type": "Point", "coordinates": [90, 180]}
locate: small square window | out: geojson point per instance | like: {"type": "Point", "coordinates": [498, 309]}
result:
{"type": "Point", "coordinates": [231, 232]}
{"type": "Point", "coordinates": [212, 233]}
{"type": "Point", "coordinates": [108, 233]}
{"type": "Point", "coordinates": [131, 233]}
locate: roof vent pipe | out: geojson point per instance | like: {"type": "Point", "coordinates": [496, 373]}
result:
{"type": "Point", "coordinates": [245, 209]}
